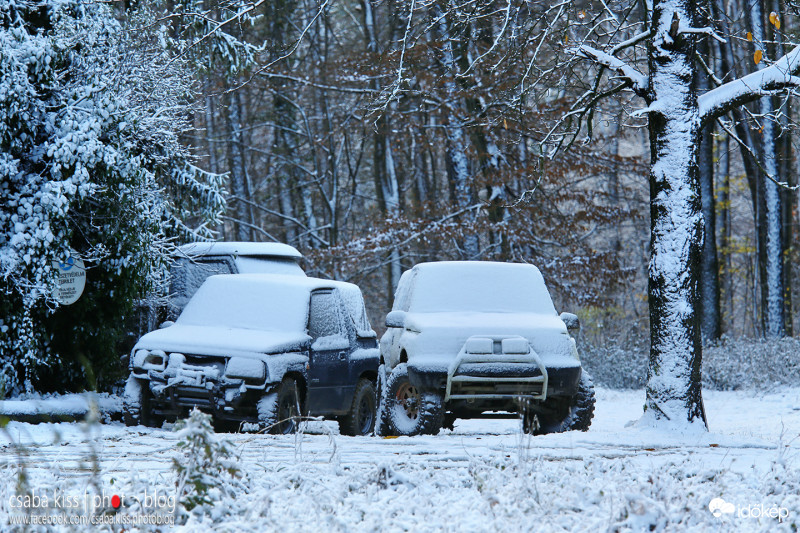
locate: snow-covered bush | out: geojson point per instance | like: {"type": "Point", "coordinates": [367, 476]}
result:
{"type": "Point", "coordinates": [758, 364]}
{"type": "Point", "coordinates": [207, 466]}
{"type": "Point", "coordinates": [90, 161]}
{"type": "Point", "coordinates": [613, 349]}
{"type": "Point", "coordinates": [729, 364]}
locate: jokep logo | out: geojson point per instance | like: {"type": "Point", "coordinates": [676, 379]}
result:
{"type": "Point", "coordinates": [720, 507]}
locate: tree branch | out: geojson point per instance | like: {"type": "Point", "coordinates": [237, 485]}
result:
{"type": "Point", "coordinates": [637, 80]}
{"type": "Point", "coordinates": [778, 76]}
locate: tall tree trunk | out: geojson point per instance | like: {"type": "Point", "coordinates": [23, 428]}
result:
{"type": "Point", "coordinates": [726, 277]}
{"type": "Point", "coordinates": [456, 136]}
{"type": "Point", "coordinates": [239, 180]}
{"type": "Point", "coordinates": [729, 63]}
{"type": "Point", "coordinates": [709, 270]}
{"type": "Point", "coordinates": [676, 225]}
{"type": "Point", "coordinates": [787, 169]}
{"type": "Point", "coordinates": [285, 144]}
{"type": "Point", "coordinates": [384, 170]}
{"type": "Point", "coordinates": [774, 322]}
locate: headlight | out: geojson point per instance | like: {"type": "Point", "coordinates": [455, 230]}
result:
{"type": "Point", "coordinates": [479, 345]}
{"type": "Point", "coordinates": [246, 368]}
{"type": "Point", "coordinates": [146, 360]}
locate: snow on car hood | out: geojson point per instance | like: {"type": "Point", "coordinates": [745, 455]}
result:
{"type": "Point", "coordinates": [441, 335]}
{"type": "Point", "coordinates": [223, 341]}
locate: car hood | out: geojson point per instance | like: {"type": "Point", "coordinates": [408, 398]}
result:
{"type": "Point", "coordinates": [441, 335]}
{"type": "Point", "coordinates": [222, 341]}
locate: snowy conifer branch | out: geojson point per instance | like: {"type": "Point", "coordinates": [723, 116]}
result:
{"type": "Point", "coordinates": [637, 80]}
{"type": "Point", "coordinates": [239, 15]}
{"type": "Point", "coordinates": [778, 76]}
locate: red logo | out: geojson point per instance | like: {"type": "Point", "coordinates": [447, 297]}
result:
{"type": "Point", "coordinates": [116, 501]}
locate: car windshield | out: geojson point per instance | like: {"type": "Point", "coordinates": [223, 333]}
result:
{"type": "Point", "coordinates": [240, 302]}
{"type": "Point", "coordinates": [480, 287]}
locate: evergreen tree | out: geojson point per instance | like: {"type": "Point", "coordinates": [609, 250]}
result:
{"type": "Point", "coordinates": [90, 164]}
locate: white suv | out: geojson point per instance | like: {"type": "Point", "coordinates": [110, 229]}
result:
{"type": "Point", "coordinates": [479, 340]}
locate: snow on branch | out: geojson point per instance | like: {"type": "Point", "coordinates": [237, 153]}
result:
{"type": "Point", "coordinates": [627, 72]}
{"type": "Point", "coordinates": [780, 75]}
{"type": "Point", "coordinates": [703, 31]}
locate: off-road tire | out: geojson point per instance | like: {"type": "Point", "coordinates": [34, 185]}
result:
{"type": "Point", "coordinates": [360, 419]}
{"type": "Point", "coordinates": [410, 411]}
{"type": "Point", "coordinates": [382, 424]}
{"type": "Point", "coordinates": [136, 404]}
{"type": "Point", "coordinates": [278, 411]}
{"type": "Point", "coordinates": [574, 415]}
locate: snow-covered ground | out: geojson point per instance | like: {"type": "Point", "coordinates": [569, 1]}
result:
{"type": "Point", "coordinates": [59, 407]}
{"type": "Point", "coordinates": [483, 476]}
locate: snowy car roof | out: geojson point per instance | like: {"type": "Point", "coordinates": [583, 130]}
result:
{"type": "Point", "coordinates": [254, 249]}
{"type": "Point", "coordinates": [486, 286]}
{"type": "Point", "coordinates": [237, 300]}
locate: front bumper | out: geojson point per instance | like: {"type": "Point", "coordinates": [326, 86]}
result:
{"type": "Point", "coordinates": [200, 382]}
{"type": "Point", "coordinates": [499, 375]}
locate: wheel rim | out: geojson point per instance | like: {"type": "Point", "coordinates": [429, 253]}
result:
{"type": "Point", "coordinates": [408, 398]}
{"type": "Point", "coordinates": [364, 414]}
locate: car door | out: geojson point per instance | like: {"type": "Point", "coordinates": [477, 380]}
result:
{"type": "Point", "coordinates": [328, 356]}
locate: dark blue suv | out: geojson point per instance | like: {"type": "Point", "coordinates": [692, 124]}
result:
{"type": "Point", "coordinates": [260, 348]}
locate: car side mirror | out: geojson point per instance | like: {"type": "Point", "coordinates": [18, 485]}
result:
{"type": "Point", "coordinates": [572, 322]}
{"type": "Point", "coordinates": [396, 319]}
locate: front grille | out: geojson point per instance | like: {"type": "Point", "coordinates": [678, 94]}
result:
{"type": "Point", "coordinates": [495, 389]}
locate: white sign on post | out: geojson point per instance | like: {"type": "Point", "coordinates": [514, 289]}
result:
{"type": "Point", "coordinates": [71, 280]}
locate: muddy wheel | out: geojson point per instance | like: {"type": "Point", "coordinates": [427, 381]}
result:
{"type": "Point", "coordinates": [137, 405]}
{"type": "Point", "coordinates": [571, 414]}
{"type": "Point", "coordinates": [382, 423]}
{"type": "Point", "coordinates": [411, 411]}
{"type": "Point", "coordinates": [279, 411]}
{"type": "Point", "coordinates": [360, 420]}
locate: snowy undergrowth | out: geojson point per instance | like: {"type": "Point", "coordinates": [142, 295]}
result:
{"type": "Point", "coordinates": [539, 494]}
{"type": "Point", "coordinates": [758, 364]}
{"type": "Point", "coordinates": [522, 490]}
{"type": "Point", "coordinates": [729, 364]}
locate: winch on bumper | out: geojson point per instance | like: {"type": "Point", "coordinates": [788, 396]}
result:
{"type": "Point", "coordinates": [218, 385]}
{"type": "Point", "coordinates": [499, 367]}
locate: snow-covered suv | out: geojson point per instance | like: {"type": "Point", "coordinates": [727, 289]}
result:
{"type": "Point", "coordinates": [195, 262]}
{"type": "Point", "coordinates": [260, 348]}
{"type": "Point", "coordinates": [479, 340]}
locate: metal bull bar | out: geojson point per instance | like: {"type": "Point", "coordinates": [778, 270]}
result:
{"type": "Point", "coordinates": [483, 349]}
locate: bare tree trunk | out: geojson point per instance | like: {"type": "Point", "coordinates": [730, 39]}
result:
{"type": "Point", "coordinates": [788, 170]}
{"type": "Point", "coordinates": [774, 323]}
{"type": "Point", "coordinates": [709, 270]}
{"type": "Point", "coordinates": [729, 63]}
{"type": "Point", "coordinates": [385, 172]}
{"type": "Point", "coordinates": [676, 226]}
{"type": "Point", "coordinates": [285, 144]}
{"type": "Point", "coordinates": [456, 137]}
{"type": "Point", "coordinates": [726, 277]}
{"type": "Point", "coordinates": [239, 179]}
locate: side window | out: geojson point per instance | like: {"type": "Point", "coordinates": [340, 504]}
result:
{"type": "Point", "coordinates": [323, 315]}
{"type": "Point", "coordinates": [187, 274]}
{"type": "Point", "coordinates": [402, 297]}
